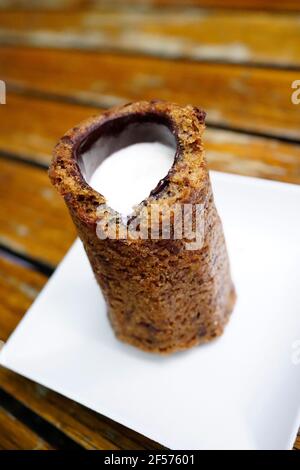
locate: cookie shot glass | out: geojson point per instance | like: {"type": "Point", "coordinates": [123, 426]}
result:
{"type": "Point", "coordinates": [136, 183]}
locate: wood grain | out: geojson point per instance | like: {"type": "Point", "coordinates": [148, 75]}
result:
{"type": "Point", "coordinates": [33, 218]}
{"type": "Point", "coordinates": [19, 285]}
{"type": "Point", "coordinates": [234, 152]}
{"type": "Point", "coordinates": [216, 35]}
{"type": "Point", "coordinates": [234, 96]}
{"type": "Point", "coordinates": [30, 127]}
{"type": "Point", "coordinates": [247, 4]}
{"type": "Point", "coordinates": [90, 429]}
{"type": "Point", "coordinates": [17, 436]}
{"type": "Point", "coordinates": [248, 155]}
{"type": "Point", "coordinates": [297, 442]}
{"type": "Point", "coordinates": [69, 5]}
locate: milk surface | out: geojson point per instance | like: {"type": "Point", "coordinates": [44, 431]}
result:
{"type": "Point", "coordinates": [126, 177]}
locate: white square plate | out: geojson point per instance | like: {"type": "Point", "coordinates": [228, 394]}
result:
{"type": "Point", "coordinates": [241, 391]}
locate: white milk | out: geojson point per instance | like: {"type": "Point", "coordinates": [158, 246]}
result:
{"type": "Point", "coordinates": [126, 177]}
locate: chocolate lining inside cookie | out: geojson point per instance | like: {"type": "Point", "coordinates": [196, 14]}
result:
{"type": "Point", "coordinates": [119, 133]}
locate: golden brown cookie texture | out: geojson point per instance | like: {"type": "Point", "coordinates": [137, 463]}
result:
{"type": "Point", "coordinates": [161, 296]}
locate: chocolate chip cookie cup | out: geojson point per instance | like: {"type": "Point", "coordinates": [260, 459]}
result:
{"type": "Point", "coordinates": [164, 293]}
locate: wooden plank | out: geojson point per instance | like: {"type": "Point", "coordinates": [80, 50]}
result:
{"type": "Point", "coordinates": [28, 288]}
{"type": "Point", "coordinates": [297, 442]}
{"type": "Point", "coordinates": [246, 4]}
{"type": "Point", "coordinates": [247, 155]}
{"type": "Point", "coordinates": [90, 429]}
{"type": "Point", "coordinates": [247, 98]}
{"type": "Point", "coordinates": [216, 35]}
{"type": "Point", "coordinates": [33, 218]}
{"type": "Point", "coordinates": [30, 127]}
{"type": "Point", "coordinates": [69, 5]}
{"type": "Point", "coordinates": [19, 285]}
{"type": "Point", "coordinates": [228, 151]}
{"type": "Point", "coordinates": [15, 435]}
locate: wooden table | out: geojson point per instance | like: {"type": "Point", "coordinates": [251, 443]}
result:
{"type": "Point", "coordinates": [60, 66]}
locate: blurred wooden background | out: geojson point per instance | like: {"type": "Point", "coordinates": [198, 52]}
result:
{"type": "Point", "coordinates": [64, 60]}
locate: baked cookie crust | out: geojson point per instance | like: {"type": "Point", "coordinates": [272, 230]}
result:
{"type": "Point", "coordinates": [161, 297]}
